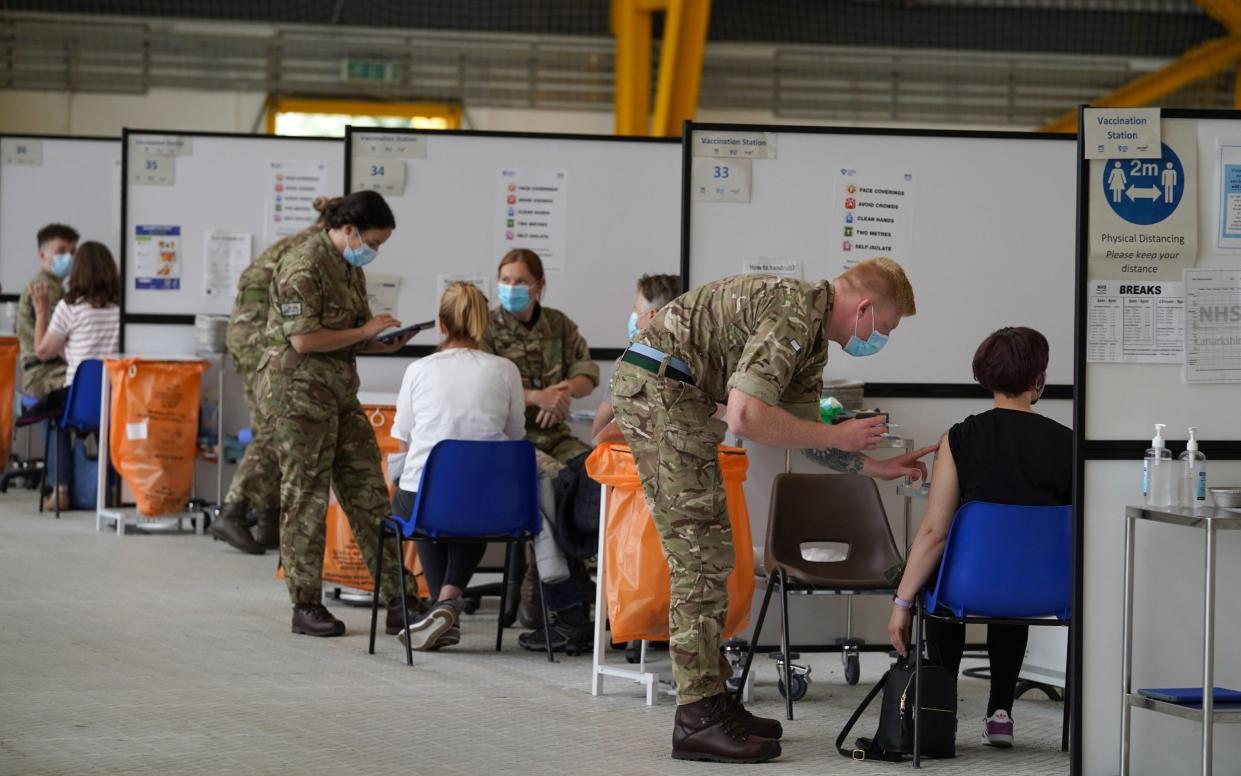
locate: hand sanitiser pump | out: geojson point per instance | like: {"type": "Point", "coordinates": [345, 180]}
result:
{"type": "Point", "coordinates": [1157, 471]}
{"type": "Point", "coordinates": [1193, 490]}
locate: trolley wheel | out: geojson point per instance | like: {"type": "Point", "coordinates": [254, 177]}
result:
{"type": "Point", "coordinates": [470, 605]}
{"type": "Point", "coordinates": [853, 669]}
{"type": "Point", "coordinates": [797, 685]}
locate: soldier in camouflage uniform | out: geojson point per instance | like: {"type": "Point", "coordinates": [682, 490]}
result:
{"type": "Point", "coordinates": [57, 243]}
{"type": "Point", "coordinates": [554, 361]}
{"type": "Point", "coordinates": [255, 489]}
{"type": "Point", "coordinates": [318, 322]}
{"type": "Point", "coordinates": [758, 343]}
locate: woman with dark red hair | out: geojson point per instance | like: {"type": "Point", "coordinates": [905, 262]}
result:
{"type": "Point", "coordinates": [1007, 455]}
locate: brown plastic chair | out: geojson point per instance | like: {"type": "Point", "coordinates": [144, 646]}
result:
{"type": "Point", "coordinates": [812, 508]}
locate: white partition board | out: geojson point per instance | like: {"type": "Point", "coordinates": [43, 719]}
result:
{"type": "Point", "coordinates": [992, 241]}
{"type": "Point", "coordinates": [77, 181]}
{"type": "Point", "coordinates": [621, 219]}
{"type": "Point", "coordinates": [1122, 402]}
{"type": "Point", "coordinates": [220, 182]}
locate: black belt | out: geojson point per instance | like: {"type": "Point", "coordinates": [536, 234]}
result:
{"type": "Point", "coordinates": [652, 365]}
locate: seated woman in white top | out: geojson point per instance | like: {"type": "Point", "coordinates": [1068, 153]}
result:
{"type": "Point", "coordinates": [459, 392]}
{"type": "Point", "coordinates": [85, 324]}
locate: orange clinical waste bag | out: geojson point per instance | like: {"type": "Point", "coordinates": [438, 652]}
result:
{"type": "Point", "coordinates": [636, 568]}
{"type": "Point", "coordinates": [9, 349]}
{"type": "Point", "coordinates": [342, 560]}
{"type": "Point", "coordinates": [154, 432]}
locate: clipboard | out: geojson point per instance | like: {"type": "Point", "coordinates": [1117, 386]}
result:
{"type": "Point", "coordinates": [388, 337]}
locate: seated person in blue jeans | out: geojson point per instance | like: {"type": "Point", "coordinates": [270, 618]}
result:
{"type": "Point", "coordinates": [1006, 455]}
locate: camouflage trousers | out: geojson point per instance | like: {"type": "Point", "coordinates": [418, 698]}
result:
{"type": "Point", "coordinates": [322, 439]}
{"type": "Point", "coordinates": [557, 441]}
{"type": "Point", "coordinates": [675, 444]}
{"type": "Point", "coordinates": [257, 478]}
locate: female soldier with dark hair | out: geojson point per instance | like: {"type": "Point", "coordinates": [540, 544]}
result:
{"type": "Point", "coordinates": [318, 322]}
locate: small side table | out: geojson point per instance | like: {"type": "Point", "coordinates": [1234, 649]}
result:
{"type": "Point", "coordinates": [1209, 520]}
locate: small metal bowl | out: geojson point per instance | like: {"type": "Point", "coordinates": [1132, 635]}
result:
{"type": "Point", "coordinates": [1228, 498]}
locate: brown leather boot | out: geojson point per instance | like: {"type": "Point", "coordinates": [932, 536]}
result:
{"type": "Point", "coordinates": [267, 528]}
{"type": "Point", "coordinates": [710, 730]}
{"type": "Point", "coordinates": [759, 726]}
{"type": "Point", "coordinates": [316, 620]}
{"type": "Point", "coordinates": [230, 526]}
{"type": "Point", "coordinates": [394, 623]}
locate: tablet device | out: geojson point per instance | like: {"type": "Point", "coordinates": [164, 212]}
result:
{"type": "Point", "coordinates": [388, 337]}
{"type": "Point", "coordinates": [1190, 694]}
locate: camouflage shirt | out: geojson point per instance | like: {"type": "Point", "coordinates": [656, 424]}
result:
{"type": "Point", "coordinates": [314, 288]}
{"type": "Point", "coordinates": [39, 378]}
{"type": "Point", "coordinates": [548, 352]}
{"type": "Point", "coordinates": [247, 325]}
{"type": "Point", "coordinates": [760, 334]}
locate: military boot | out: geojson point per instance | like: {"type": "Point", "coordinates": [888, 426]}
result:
{"type": "Point", "coordinates": [394, 621]}
{"type": "Point", "coordinates": [316, 620]}
{"type": "Point", "coordinates": [711, 731]}
{"type": "Point", "coordinates": [230, 526]}
{"type": "Point", "coordinates": [530, 610]}
{"type": "Point", "coordinates": [267, 533]}
{"type": "Point", "coordinates": [759, 726]}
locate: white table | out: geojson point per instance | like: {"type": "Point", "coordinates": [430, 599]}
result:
{"type": "Point", "coordinates": [120, 515]}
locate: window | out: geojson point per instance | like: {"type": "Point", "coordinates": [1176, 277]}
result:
{"type": "Point", "coordinates": [328, 118]}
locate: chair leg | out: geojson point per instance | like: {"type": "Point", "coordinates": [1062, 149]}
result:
{"type": "Point", "coordinates": [1068, 689]}
{"type": "Point", "coordinates": [917, 656]}
{"type": "Point", "coordinates": [758, 631]}
{"type": "Point", "coordinates": [547, 620]}
{"type": "Point", "coordinates": [400, 564]}
{"type": "Point", "coordinates": [784, 643]}
{"type": "Point", "coordinates": [508, 548]}
{"type": "Point", "coordinates": [60, 474]}
{"type": "Point", "coordinates": [379, 568]}
{"type": "Point", "coordinates": [47, 458]}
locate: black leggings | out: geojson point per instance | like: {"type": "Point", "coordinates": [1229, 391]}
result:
{"type": "Point", "coordinates": [443, 564]}
{"type": "Point", "coordinates": [945, 642]}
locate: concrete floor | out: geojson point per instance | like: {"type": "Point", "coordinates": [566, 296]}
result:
{"type": "Point", "coordinates": [171, 654]}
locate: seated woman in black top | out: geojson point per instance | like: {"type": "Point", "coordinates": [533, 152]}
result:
{"type": "Point", "coordinates": [1006, 455]}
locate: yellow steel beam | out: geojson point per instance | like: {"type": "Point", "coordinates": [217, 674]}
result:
{"type": "Point", "coordinates": [1226, 12]}
{"type": "Point", "coordinates": [1203, 61]}
{"type": "Point", "coordinates": [631, 25]}
{"type": "Point", "coordinates": [680, 65]}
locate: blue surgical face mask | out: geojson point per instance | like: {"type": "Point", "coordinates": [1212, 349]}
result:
{"type": "Point", "coordinates": [872, 345]}
{"type": "Point", "coordinates": [360, 256]}
{"type": "Point", "coordinates": [515, 299]}
{"type": "Point", "coordinates": [633, 325]}
{"type": "Point", "coordinates": [61, 263]}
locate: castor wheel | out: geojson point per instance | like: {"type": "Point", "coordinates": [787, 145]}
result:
{"type": "Point", "coordinates": [469, 605]}
{"type": "Point", "coordinates": [798, 684]}
{"type": "Point", "coordinates": [853, 669]}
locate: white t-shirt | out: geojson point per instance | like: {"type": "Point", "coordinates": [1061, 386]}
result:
{"type": "Point", "coordinates": [456, 394]}
{"type": "Point", "coordinates": [89, 332]}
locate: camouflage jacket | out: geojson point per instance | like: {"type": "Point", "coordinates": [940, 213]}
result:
{"type": "Point", "coordinates": [760, 334]}
{"type": "Point", "coordinates": [39, 378]}
{"type": "Point", "coordinates": [548, 352]}
{"type": "Point", "coordinates": [314, 288]}
{"type": "Point", "coordinates": [247, 325]}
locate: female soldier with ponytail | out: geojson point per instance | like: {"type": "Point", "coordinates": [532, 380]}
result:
{"type": "Point", "coordinates": [318, 322]}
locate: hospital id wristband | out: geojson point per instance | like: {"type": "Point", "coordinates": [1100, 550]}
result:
{"type": "Point", "coordinates": [901, 602]}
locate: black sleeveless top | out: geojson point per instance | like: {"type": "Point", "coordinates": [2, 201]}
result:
{"type": "Point", "coordinates": [1013, 457]}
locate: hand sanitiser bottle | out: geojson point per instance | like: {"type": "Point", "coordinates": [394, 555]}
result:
{"type": "Point", "coordinates": [1157, 471]}
{"type": "Point", "coordinates": [1193, 473]}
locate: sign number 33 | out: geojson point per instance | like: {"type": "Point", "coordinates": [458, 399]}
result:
{"type": "Point", "coordinates": [720, 171]}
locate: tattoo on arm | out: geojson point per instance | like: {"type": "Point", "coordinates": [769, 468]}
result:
{"type": "Point", "coordinates": [841, 461]}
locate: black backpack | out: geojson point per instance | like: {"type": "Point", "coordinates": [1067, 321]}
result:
{"type": "Point", "coordinates": [895, 737]}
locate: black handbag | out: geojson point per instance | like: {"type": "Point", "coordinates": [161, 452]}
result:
{"type": "Point", "coordinates": [895, 737]}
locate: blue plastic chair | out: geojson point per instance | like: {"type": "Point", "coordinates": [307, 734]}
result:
{"type": "Point", "coordinates": [470, 491]}
{"type": "Point", "coordinates": [81, 415]}
{"type": "Point", "coordinates": [1003, 564]}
